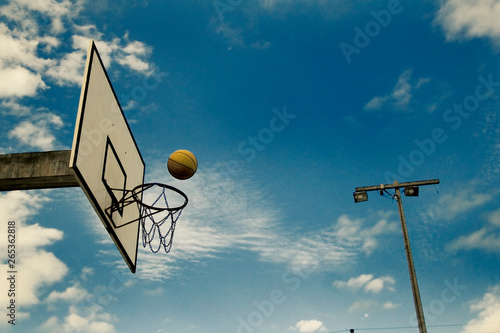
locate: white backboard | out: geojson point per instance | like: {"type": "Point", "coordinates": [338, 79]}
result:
{"type": "Point", "coordinates": [106, 158]}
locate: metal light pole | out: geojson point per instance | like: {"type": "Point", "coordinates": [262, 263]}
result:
{"type": "Point", "coordinates": [411, 189]}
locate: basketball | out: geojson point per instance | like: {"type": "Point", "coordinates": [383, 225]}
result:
{"type": "Point", "coordinates": [182, 164]}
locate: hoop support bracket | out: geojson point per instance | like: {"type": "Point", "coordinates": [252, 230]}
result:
{"type": "Point", "coordinates": [135, 196]}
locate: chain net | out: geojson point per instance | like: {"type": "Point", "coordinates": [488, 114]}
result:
{"type": "Point", "coordinates": [159, 219]}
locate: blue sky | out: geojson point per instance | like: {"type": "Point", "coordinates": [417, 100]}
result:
{"type": "Point", "coordinates": [288, 105]}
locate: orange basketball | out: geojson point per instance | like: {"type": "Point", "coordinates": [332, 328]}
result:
{"type": "Point", "coordinates": [182, 164]}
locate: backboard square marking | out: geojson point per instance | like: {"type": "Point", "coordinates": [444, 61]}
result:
{"type": "Point", "coordinates": [114, 179]}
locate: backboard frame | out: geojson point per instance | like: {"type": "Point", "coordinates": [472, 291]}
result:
{"type": "Point", "coordinates": [105, 156]}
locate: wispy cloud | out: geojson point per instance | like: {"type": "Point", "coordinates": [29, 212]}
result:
{"type": "Point", "coordinates": [376, 102]}
{"type": "Point", "coordinates": [451, 205]}
{"type": "Point", "coordinates": [234, 36]}
{"type": "Point", "coordinates": [363, 306]}
{"type": "Point", "coordinates": [228, 214]}
{"type": "Point", "coordinates": [355, 231]}
{"type": "Point", "coordinates": [487, 238]}
{"type": "Point", "coordinates": [401, 95]}
{"type": "Point", "coordinates": [261, 45]}
{"type": "Point", "coordinates": [482, 239]}
{"type": "Point", "coordinates": [330, 10]}
{"type": "Point", "coordinates": [494, 218]}
{"type": "Point", "coordinates": [463, 19]}
{"type": "Point", "coordinates": [13, 108]}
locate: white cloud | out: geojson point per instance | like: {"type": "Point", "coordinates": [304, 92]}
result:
{"type": "Point", "coordinates": [390, 305]}
{"type": "Point", "coordinates": [354, 283]}
{"type": "Point", "coordinates": [463, 19]}
{"type": "Point", "coordinates": [133, 62]}
{"type": "Point", "coordinates": [72, 294]}
{"type": "Point", "coordinates": [38, 131]}
{"type": "Point", "coordinates": [87, 272]}
{"type": "Point", "coordinates": [47, 48]}
{"type": "Point", "coordinates": [129, 55]}
{"type": "Point", "coordinates": [308, 326]}
{"type": "Point", "coordinates": [488, 312]}
{"type": "Point", "coordinates": [377, 285]}
{"type": "Point", "coordinates": [19, 82]}
{"type": "Point", "coordinates": [69, 69]}
{"type": "Point", "coordinates": [20, 67]}
{"type": "Point", "coordinates": [85, 311]}
{"type": "Point", "coordinates": [19, 205]}
{"type": "Point", "coordinates": [33, 260]}
{"type": "Point", "coordinates": [23, 10]}
{"type": "Point", "coordinates": [26, 60]}
{"type": "Point", "coordinates": [20, 49]}
{"type": "Point", "coordinates": [368, 283]}
{"type": "Point", "coordinates": [44, 265]}
{"type": "Point", "coordinates": [95, 321]}
{"type": "Point", "coordinates": [401, 95]}
{"type": "Point", "coordinates": [35, 236]}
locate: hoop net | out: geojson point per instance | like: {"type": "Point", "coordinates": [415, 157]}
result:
{"type": "Point", "coordinates": [159, 218]}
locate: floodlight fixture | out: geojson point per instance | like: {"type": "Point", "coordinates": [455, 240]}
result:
{"type": "Point", "coordinates": [411, 191]}
{"type": "Point", "coordinates": [360, 196]}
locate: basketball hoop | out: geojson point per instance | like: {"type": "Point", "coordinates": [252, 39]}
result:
{"type": "Point", "coordinates": [157, 217]}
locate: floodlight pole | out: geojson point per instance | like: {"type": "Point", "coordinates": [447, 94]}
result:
{"type": "Point", "coordinates": [413, 276]}
{"type": "Point", "coordinates": [411, 267]}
